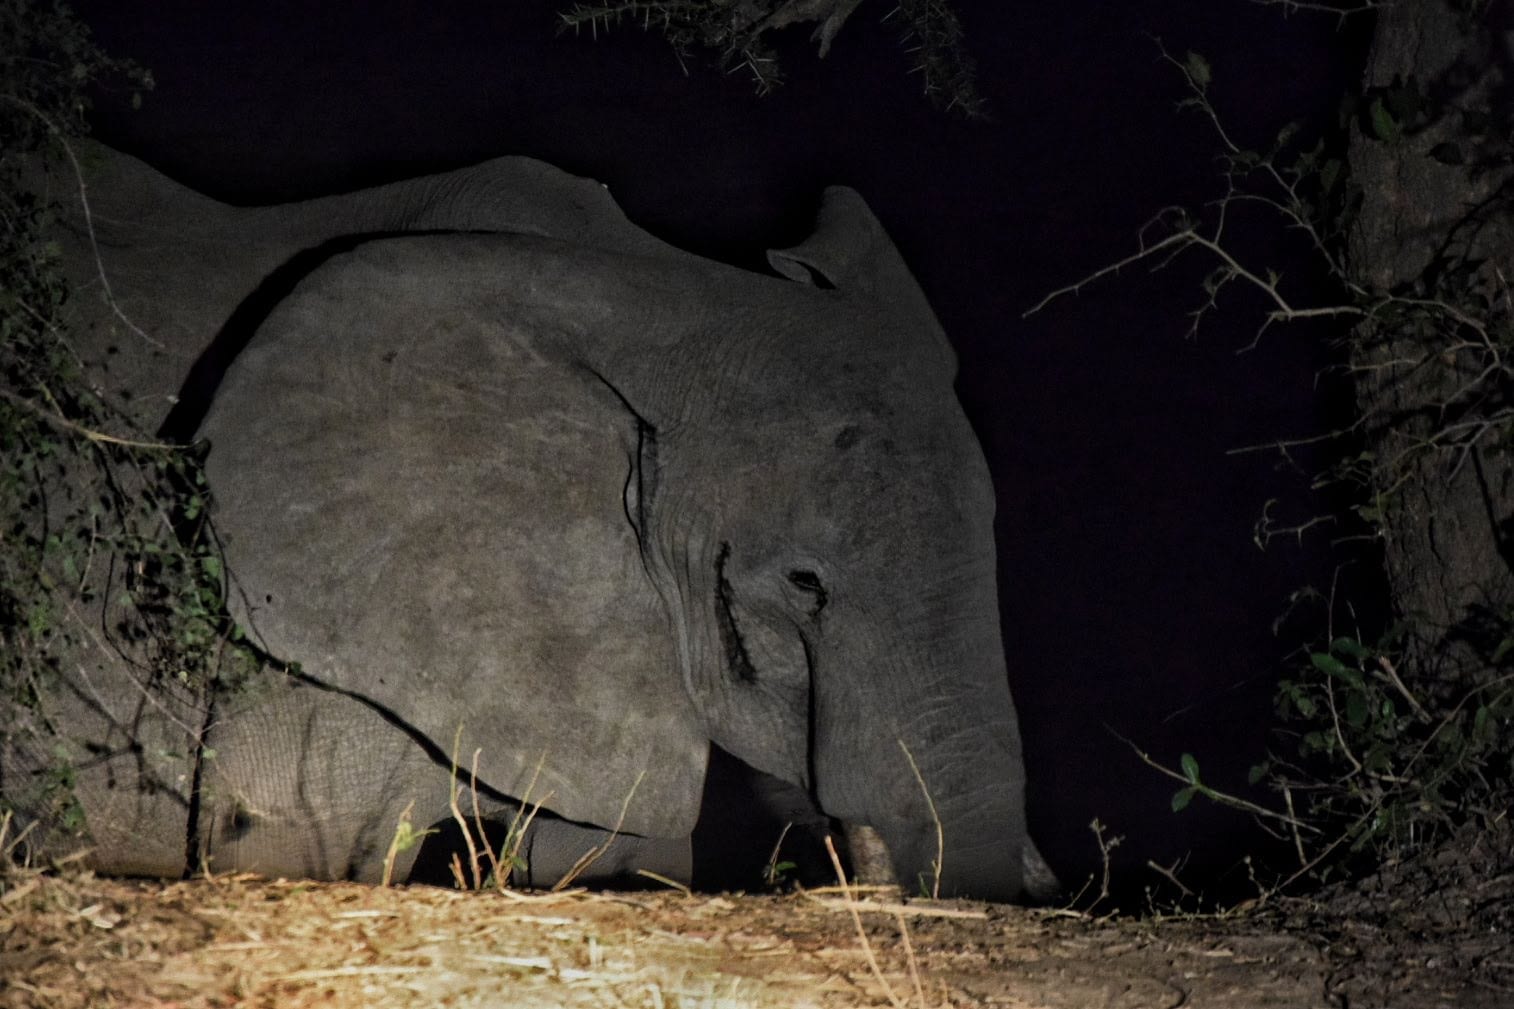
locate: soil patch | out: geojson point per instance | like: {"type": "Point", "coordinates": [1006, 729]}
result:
{"type": "Point", "coordinates": [72, 939]}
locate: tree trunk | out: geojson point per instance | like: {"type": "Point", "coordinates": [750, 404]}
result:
{"type": "Point", "coordinates": [1436, 396]}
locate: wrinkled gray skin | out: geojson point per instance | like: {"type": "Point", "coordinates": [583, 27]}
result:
{"type": "Point", "coordinates": [560, 494]}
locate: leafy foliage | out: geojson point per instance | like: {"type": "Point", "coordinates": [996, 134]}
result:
{"type": "Point", "coordinates": [1375, 758]}
{"type": "Point", "coordinates": [738, 33]}
{"type": "Point", "coordinates": [98, 517]}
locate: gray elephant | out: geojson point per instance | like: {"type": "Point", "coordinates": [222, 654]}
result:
{"type": "Point", "coordinates": [529, 484]}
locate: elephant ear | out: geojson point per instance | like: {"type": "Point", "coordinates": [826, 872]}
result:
{"type": "Point", "coordinates": [422, 501]}
{"type": "Point", "coordinates": [850, 251]}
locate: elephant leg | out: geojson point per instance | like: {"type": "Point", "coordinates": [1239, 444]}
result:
{"type": "Point", "coordinates": [547, 851]}
{"type": "Point", "coordinates": [755, 829]}
{"type": "Point", "coordinates": [305, 782]}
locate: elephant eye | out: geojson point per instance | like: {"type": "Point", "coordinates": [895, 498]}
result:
{"type": "Point", "coordinates": [808, 581]}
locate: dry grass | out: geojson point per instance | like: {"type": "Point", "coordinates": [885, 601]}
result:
{"type": "Point", "coordinates": [241, 941]}
{"type": "Point", "coordinates": [72, 940]}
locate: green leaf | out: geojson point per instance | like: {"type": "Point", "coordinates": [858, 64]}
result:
{"type": "Point", "coordinates": [1356, 710]}
{"type": "Point", "coordinates": [1504, 648]}
{"type": "Point", "coordinates": [1198, 69]}
{"type": "Point", "coordinates": [1182, 798]}
{"type": "Point", "coordinates": [1351, 647]}
{"type": "Point", "coordinates": [1384, 126]}
{"type": "Point", "coordinates": [406, 836]}
{"type": "Point", "coordinates": [1328, 664]}
{"type": "Point", "coordinates": [1190, 767]}
{"type": "Point", "coordinates": [1258, 772]}
{"type": "Point", "coordinates": [1480, 720]}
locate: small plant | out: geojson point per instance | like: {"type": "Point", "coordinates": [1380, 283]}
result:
{"type": "Point", "coordinates": [1391, 769]}
{"type": "Point", "coordinates": [777, 872]}
{"type": "Point", "coordinates": [405, 837]}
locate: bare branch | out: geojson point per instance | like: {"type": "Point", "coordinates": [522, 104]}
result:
{"type": "Point", "coordinates": [1178, 240]}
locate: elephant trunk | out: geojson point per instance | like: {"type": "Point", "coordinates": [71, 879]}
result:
{"type": "Point", "coordinates": [969, 842]}
{"type": "Point", "coordinates": [942, 782]}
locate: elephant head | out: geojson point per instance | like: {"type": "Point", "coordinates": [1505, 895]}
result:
{"type": "Point", "coordinates": [818, 517]}
{"type": "Point", "coordinates": [588, 512]}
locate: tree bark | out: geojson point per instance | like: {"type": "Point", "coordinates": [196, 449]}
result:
{"type": "Point", "coordinates": [1431, 395]}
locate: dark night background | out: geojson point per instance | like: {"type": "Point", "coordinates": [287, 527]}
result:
{"type": "Point", "coordinates": [1133, 597]}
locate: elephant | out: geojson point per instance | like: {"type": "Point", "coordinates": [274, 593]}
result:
{"type": "Point", "coordinates": [518, 500]}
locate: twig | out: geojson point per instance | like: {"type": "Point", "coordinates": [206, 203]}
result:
{"type": "Point", "coordinates": [667, 881]}
{"type": "Point", "coordinates": [94, 242]}
{"type": "Point", "coordinates": [909, 957]}
{"type": "Point", "coordinates": [867, 947]}
{"type": "Point", "coordinates": [402, 835]}
{"type": "Point", "coordinates": [1177, 240]}
{"type": "Point", "coordinates": [1229, 800]}
{"type": "Point", "coordinates": [1335, 723]}
{"type": "Point", "coordinates": [1341, 10]}
{"type": "Point", "coordinates": [770, 873]}
{"type": "Point", "coordinates": [98, 437]}
{"type": "Point", "coordinates": [1387, 667]}
{"type": "Point", "coordinates": [1105, 847]}
{"type": "Point", "coordinates": [1298, 840]}
{"type": "Point", "coordinates": [459, 879]}
{"type": "Point", "coordinates": [890, 907]}
{"type": "Point", "coordinates": [520, 823]}
{"type": "Point", "coordinates": [478, 819]}
{"type": "Point", "coordinates": [462, 822]}
{"type": "Point", "coordinates": [589, 857]}
{"type": "Point", "coordinates": [1170, 876]}
{"type": "Point", "coordinates": [935, 888]}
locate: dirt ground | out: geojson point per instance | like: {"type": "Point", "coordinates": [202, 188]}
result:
{"type": "Point", "coordinates": [69, 939]}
